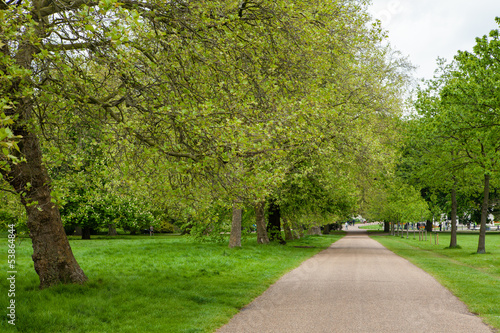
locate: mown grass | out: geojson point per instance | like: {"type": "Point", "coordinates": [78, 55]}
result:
{"type": "Point", "coordinates": [473, 278]}
{"type": "Point", "coordinates": [150, 284]}
{"type": "Point", "coordinates": [376, 227]}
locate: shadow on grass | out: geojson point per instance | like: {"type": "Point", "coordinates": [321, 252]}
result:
{"type": "Point", "coordinates": [457, 247]}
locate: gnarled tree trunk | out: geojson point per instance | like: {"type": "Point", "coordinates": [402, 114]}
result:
{"type": "Point", "coordinates": [52, 256]}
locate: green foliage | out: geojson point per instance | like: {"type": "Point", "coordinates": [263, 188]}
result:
{"type": "Point", "coordinates": [8, 141]}
{"type": "Point", "coordinates": [91, 209]}
{"type": "Point", "coordinates": [455, 128]}
{"type": "Point", "coordinates": [454, 131]}
{"type": "Point", "coordinates": [189, 107]}
{"type": "Point", "coordinates": [12, 212]}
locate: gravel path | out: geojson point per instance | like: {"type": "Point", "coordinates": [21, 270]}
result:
{"type": "Point", "coordinates": [356, 285]}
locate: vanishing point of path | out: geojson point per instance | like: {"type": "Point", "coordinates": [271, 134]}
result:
{"type": "Point", "coordinates": [356, 285]}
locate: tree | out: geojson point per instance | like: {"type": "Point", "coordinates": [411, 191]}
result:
{"type": "Point", "coordinates": [235, 238]}
{"type": "Point", "coordinates": [198, 86]}
{"type": "Point", "coordinates": [458, 120]}
{"type": "Point", "coordinates": [472, 100]}
{"type": "Point", "coordinates": [433, 160]}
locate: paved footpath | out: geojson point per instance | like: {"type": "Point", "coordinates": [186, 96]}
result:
{"type": "Point", "coordinates": [356, 285]}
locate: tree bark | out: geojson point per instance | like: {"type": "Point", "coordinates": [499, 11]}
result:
{"type": "Point", "coordinates": [428, 226]}
{"type": "Point", "coordinates": [235, 238]}
{"type": "Point", "coordinates": [298, 230]}
{"type": "Point", "coordinates": [387, 227]}
{"type": "Point", "coordinates": [454, 207]}
{"type": "Point", "coordinates": [86, 233]}
{"type": "Point", "coordinates": [52, 256]}
{"type": "Point", "coordinates": [315, 230]}
{"type": "Point", "coordinates": [112, 229]}
{"type": "Point", "coordinates": [481, 246]}
{"type": "Point", "coordinates": [288, 230]}
{"type": "Point", "coordinates": [260, 221]}
{"type": "Point", "coordinates": [274, 225]}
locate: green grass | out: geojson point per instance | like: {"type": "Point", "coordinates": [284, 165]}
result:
{"type": "Point", "coordinates": [376, 227]}
{"type": "Point", "coordinates": [473, 278]}
{"type": "Point", "coordinates": [150, 284]}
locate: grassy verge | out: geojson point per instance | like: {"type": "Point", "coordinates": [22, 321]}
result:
{"type": "Point", "coordinates": [150, 284]}
{"type": "Point", "coordinates": [473, 278]}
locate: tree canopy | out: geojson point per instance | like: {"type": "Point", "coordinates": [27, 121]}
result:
{"type": "Point", "coordinates": [191, 105]}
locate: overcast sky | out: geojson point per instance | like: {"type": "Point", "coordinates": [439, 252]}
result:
{"type": "Point", "coordinates": [427, 29]}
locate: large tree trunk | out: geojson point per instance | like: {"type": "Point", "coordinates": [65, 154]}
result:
{"type": "Point", "coordinates": [274, 225]}
{"type": "Point", "coordinates": [235, 239]}
{"type": "Point", "coordinates": [481, 246]}
{"type": "Point", "coordinates": [453, 239]}
{"type": "Point", "coordinates": [52, 256]}
{"type": "Point", "coordinates": [260, 221]}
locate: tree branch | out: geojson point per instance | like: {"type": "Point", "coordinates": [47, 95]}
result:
{"type": "Point", "coordinates": [75, 46]}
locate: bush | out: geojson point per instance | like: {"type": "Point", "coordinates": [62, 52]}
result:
{"type": "Point", "coordinates": [165, 227]}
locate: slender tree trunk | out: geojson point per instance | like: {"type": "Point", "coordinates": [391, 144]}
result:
{"type": "Point", "coordinates": [235, 239]}
{"type": "Point", "coordinates": [274, 225]}
{"type": "Point", "coordinates": [86, 232]}
{"type": "Point", "coordinates": [298, 230]}
{"type": "Point", "coordinates": [112, 229]}
{"type": "Point", "coordinates": [387, 226]}
{"type": "Point", "coordinates": [428, 226]}
{"type": "Point", "coordinates": [52, 256]}
{"type": "Point", "coordinates": [481, 246]}
{"type": "Point", "coordinates": [288, 230]}
{"type": "Point", "coordinates": [260, 221]}
{"type": "Point", "coordinates": [453, 239]}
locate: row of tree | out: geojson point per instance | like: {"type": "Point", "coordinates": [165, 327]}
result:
{"type": "Point", "coordinates": [186, 106]}
{"type": "Point", "coordinates": [453, 138]}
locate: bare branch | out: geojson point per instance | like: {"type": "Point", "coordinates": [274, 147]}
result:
{"type": "Point", "coordinates": [63, 5]}
{"type": "Point", "coordinates": [75, 46]}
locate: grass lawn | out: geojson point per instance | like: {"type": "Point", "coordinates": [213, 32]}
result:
{"type": "Point", "coordinates": [150, 284]}
{"type": "Point", "coordinates": [376, 227]}
{"type": "Point", "coordinates": [474, 278]}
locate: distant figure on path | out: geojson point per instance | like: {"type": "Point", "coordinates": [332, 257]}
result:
{"type": "Point", "coordinates": [151, 230]}
{"type": "Point", "coordinates": [346, 225]}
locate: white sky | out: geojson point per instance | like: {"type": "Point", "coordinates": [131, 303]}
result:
{"type": "Point", "coordinates": [427, 29]}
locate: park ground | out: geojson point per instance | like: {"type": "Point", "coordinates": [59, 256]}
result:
{"type": "Point", "coordinates": [175, 284]}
